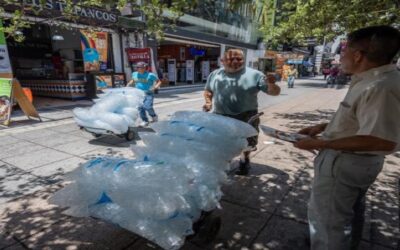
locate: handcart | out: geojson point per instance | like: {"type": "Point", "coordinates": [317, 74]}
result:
{"type": "Point", "coordinates": [97, 132]}
{"type": "Point", "coordinates": [206, 228]}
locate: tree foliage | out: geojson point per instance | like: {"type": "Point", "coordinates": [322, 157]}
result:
{"type": "Point", "coordinates": [152, 10]}
{"type": "Point", "coordinates": [295, 21]}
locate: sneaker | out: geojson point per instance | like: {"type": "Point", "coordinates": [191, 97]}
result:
{"type": "Point", "coordinates": [143, 124]}
{"type": "Point", "coordinates": [244, 167]}
{"type": "Point", "coordinates": [154, 119]}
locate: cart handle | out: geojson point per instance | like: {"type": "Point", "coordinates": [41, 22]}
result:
{"type": "Point", "coordinates": [254, 117]}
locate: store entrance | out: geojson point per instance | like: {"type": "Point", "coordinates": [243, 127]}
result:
{"type": "Point", "coordinates": [49, 62]}
{"type": "Point", "coordinates": [184, 62]}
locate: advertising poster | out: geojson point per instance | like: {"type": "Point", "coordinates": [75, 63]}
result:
{"type": "Point", "coordinates": [5, 65]}
{"type": "Point", "coordinates": [94, 49]}
{"type": "Point", "coordinates": [5, 100]}
{"type": "Point", "coordinates": [103, 81]}
{"type": "Point", "coordinates": [189, 70]}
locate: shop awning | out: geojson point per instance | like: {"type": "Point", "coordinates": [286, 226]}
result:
{"type": "Point", "coordinates": [307, 64]}
{"type": "Point", "coordinates": [184, 41]}
{"type": "Point", "coordinates": [294, 61]}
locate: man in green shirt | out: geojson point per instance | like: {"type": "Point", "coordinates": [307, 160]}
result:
{"type": "Point", "coordinates": [233, 89]}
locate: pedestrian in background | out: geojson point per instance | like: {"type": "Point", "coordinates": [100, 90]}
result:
{"type": "Point", "coordinates": [292, 74]}
{"type": "Point", "coordinates": [326, 72]}
{"type": "Point", "coordinates": [148, 82]}
{"type": "Point", "coordinates": [365, 128]}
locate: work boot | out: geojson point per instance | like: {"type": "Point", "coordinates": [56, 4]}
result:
{"type": "Point", "coordinates": [244, 166]}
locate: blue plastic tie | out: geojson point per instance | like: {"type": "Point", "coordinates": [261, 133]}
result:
{"type": "Point", "coordinates": [200, 128]}
{"type": "Point", "coordinates": [119, 164]}
{"type": "Point", "coordinates": [94, 162]}
{"type": "Point", "coordinates": [104, 199]}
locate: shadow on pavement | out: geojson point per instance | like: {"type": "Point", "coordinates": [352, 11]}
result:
{"type": "Point", "coordinates": [299, 120]}
{"type": "Point", "coordinates": [38, 225]}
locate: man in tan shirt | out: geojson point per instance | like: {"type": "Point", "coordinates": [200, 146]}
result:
{"type": "Point", "coordinates": [365, 128]}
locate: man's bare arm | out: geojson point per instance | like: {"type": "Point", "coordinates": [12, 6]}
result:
{"type": "Point", "coordinates": [130, 83]}
{"type": "Point", "coordinates": [273, 89]}
{"type": "Point", "coordinates": [208, 95]}
{"type": "Point", "coordinates": [362, 143]}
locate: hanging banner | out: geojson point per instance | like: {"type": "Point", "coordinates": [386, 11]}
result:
{"type": "Point", "coordinates": [94, 49]}
{"type": "Point", "coordinates": [5, 65]}
{"type": "Point", "coordinates": [5, 100]}
{"type": "Point", "coordinates": [136, 55]}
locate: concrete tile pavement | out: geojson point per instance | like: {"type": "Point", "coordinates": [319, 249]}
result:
{"type": "Point", "coordinates": [265, 210]}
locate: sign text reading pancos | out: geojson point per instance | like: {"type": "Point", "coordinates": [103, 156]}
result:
{"type": "Point", "coordinates": [77, 10]}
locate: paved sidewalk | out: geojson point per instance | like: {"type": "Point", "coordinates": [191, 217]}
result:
{"type": "Point", "coordinates": [265, 210]}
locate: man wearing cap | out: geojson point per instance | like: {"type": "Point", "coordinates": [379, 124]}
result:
{"type": "Point", "coordinates": [148, 82]}
{"type": "Point", "coordinates": [233, 89]}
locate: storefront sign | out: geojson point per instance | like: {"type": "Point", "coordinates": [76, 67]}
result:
{"type": "Point", "coordinates": [189, 70]}
{"type": "Point", "coordinates": [85, 12]}
{"type": "Point", "coordinates": [94, 49]}
{"type": "Point", "coordinates": [5, 100]}
{"type": "Point", "coordinates": [136, 55]}
{"type": "Point", "coordinates": [172, 70]}
{"type": "Point", "coordinates": [205, 70]}
{"type": "Point", "coordinates": [5, 65]}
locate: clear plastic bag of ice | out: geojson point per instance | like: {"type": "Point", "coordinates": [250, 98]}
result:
{"type": "Point", "coordinates": [175, 176]}
{"type": "Point", "coordinates": [116, 110]}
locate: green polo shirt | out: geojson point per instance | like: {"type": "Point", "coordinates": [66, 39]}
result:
{"type": "Point", "coordinates": [235, 93]}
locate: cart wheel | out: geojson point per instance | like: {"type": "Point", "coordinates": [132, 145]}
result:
{"type": "Point", "coordinates": [130, 135]}
{"type": "Point", "coordinates": [96, 135]}
{"type": "Point", "coordinates": [208, 230]}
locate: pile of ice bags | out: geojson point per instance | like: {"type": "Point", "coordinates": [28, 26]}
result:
{"type": "Point", "coordinates": [176, 175]}
{"type": "Point", "coordinates": [116, 110]}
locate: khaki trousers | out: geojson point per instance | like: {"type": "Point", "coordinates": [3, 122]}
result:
{"type": "Point", "coordinates": [337, 202]}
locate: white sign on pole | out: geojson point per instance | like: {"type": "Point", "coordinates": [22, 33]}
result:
{"type": "Point", "coordinates": [189, 70]}
{"type": "Point", "coordinates": [205, 70]}
{"type": "Point", "coordinates": [172, 71]}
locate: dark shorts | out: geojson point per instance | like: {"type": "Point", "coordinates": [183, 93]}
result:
{"type": "Point", "coordinates": [245, 117]}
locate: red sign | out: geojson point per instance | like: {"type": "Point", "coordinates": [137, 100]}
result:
{"type": "Point", "coordinates": [139, 55]}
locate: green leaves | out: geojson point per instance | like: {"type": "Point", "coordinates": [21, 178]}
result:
{"type": "Point", "coordinates": [153, 11]}
{"type": "Point", "coordinates": [296, 20]}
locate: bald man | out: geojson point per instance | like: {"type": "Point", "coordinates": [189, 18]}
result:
{"type": "Point", "coordinates": [232, 91]}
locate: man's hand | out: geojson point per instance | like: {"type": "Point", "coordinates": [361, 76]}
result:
{"type": "Point", "coordinates": [207, 107]}
{"type": "Point", "coordinates": [131, 83]}
{"type": "Point", "coordinates": [208, 95]}
{"type": "Point", "coordinates": [273, 89]}
{"type": "Point", "coordinates": [314, 130]}
{"type": "Point", "coordinates": [310, 144]}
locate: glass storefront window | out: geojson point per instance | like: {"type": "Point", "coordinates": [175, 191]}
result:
{"type": "Point", "coordinates": [217, 18]}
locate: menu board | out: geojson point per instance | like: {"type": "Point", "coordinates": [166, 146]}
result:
{"type": "Point", "coordinates": [5, 65]}
{"type": "Point", "coordinates": [5, 100]}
